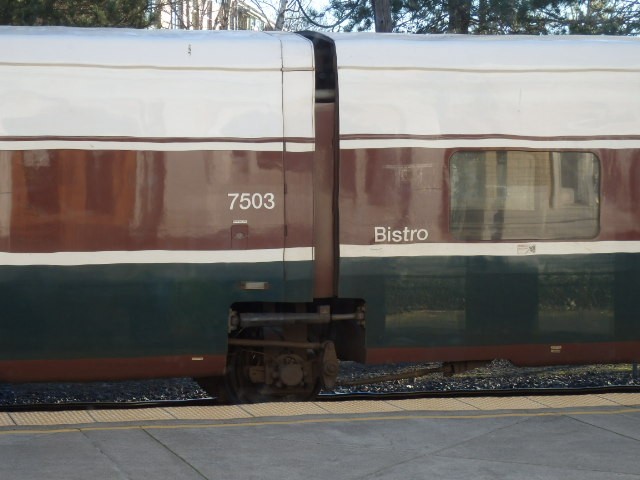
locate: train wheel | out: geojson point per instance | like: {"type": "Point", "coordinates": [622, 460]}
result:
{"type": "Point", "coordinates": [285, 376]}
{"type": "Point", "coordinates": [239, 385]}
{"type": "Point", "coordinates": [274, 365]}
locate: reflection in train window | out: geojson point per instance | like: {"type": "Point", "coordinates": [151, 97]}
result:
{"type": "Point", "coordinates": [519, 195]}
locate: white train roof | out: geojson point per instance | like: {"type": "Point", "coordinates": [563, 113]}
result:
{"type": "Point", "coordinates": [153, 89]}
{"type": "Point", "coordinates": [475, 52]}
{"type": "Point", "coordinates": [451, 91]}
{"type": "Point", "coordinates": [151, 48]}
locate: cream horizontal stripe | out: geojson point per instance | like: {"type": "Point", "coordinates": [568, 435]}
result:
{"type": "Point", "coordinates": [300, 147]}
{"type": "Point", "coordinates": [543, 144]}
{"type": "Point", "coordinates": [497, 69]}
{"type": "Point", "coordinates": [512, 249]}
{"type": "Point", "coordinates": [157, 257]}
{"type": "Point", "coordinates": [299, 254]}
{"type": "Point", "coordinates": [152, 146]}
{"type": "Point", "coordinates": [113, 66]}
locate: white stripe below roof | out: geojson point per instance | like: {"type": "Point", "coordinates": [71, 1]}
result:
{"type": "Point", "coordinates": [512, 249]}
{"type": "Point", "coordinates": [306, 253]}
{"type": "Point", "coordinates": [180, 68]}
{"type": "Point", "coordinates": [300, 147]}
{"type": "Point", "coordinates": [157, 257]}
{"type": "Point", "coordinates": [543, 144]}
{"type": "Point", "coordinates": [484, 69]}
{"type": "Point", "coordinates": [310, 147]}
{"type": "Point", "coordinates": [155, 146]}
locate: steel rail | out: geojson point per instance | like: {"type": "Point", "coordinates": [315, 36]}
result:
{"type": "Point", "coordinates": [99, 405]}
{"type": "Point", "coordinates": [497, 393]}
{"type": "Point", "coordinates": [330, 397]}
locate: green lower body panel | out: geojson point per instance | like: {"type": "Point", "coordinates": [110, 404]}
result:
{"type": "Point", "coordinates": [479, 301]}
{"type": "Point", "coordinates": [130, 310]}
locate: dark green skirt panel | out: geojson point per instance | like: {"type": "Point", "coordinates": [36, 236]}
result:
{"type": "Point", "coordinates": [481, 300]}
{"type": "Point", "coordinates": [130, 310]}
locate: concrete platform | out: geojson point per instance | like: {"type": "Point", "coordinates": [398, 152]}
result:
{"type": "Point", "coordinates": [586, 437]}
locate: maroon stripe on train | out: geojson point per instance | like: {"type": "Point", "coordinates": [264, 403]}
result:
{"type": "Point", "coordinates": [484, 136]}
{"type": "Point", "coordinates": [522, 355]}
{"type": "Point", "coordinates": [62, 200]}
{"type": "Point", "coordinates": [410, 186]}
{"type": "Point", "coordinates": [43, 138]}
{"type": "Point", "coordinates": [94, 369]}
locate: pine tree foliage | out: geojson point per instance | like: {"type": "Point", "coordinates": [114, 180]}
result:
{"type": "Point", "coordinates": [81, 13]}
{"type": "Point", "coordinates": [536, 17]}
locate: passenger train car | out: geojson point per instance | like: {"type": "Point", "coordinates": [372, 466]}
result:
{"type": "Point", "coordinates": [260, 206]}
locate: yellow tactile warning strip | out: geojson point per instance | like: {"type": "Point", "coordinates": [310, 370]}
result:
{"type": "Point", "coordinates": [51, 418]}
{"type": "Point", "coordinates": [504, 403]}
{"type": "Point", "coordinates": [362, 406]}
{"type": "Point", "coordinates": [146, 414]}
{"type": "Point", "coordinates": [476, 405]}
{"type": "Point", "coordinates": [302, 420]}
{"type": "Point", "coordinates": [226, 412]}
{"type": "Point", "coordinates": [569, 401]}
{"type": "Point", "coordinates": [432, 405]}
{"type": "Point", "coordinates": [5, 420]}
{"type": "Point", "coordinates": [285, 409]}
{"type": "Point", "coordinates": [627, 399]}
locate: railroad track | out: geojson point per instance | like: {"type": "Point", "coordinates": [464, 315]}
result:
{"type": "Point", "coordinates": [351, 386]}
{"type": "Point", "coordinates": [326, 397]}
{"type": "Point", "coordinates": [507, 392]}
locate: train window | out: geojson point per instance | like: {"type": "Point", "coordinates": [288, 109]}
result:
{"type": "Point", "coordinates": [518, 195]}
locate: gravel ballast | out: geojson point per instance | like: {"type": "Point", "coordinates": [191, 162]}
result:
{"type": "Point", "coordinates": [498, 375]}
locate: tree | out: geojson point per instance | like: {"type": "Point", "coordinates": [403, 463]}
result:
{"type": "Point", "coordinates": [223, 14]}
{"type": "Point", "coordinates": [82, 13]}
{"type": "Point", "coordinates": [609, 17]}
{"type": "Point", "coordinates": [514, 16]}
{"type": "Point", "coordinates": [459, 16]}
{"type": "Point", "coordinates": [382, 15]}
{"type": "Point", "coordinates": [289, 15]}
{"type": "Point", "coordinates": [189, 14]}
{"type": "Point", "coordinates": [537, 17]}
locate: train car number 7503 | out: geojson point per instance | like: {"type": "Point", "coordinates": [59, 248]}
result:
{"type": "Point", "coordinates": [257, 201]}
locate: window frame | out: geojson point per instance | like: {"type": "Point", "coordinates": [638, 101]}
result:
{"type": "Point", "coordinates": [457, 233]}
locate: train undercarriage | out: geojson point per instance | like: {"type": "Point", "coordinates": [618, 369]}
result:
{"type": "Point", "coordinates": [288, 351]}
